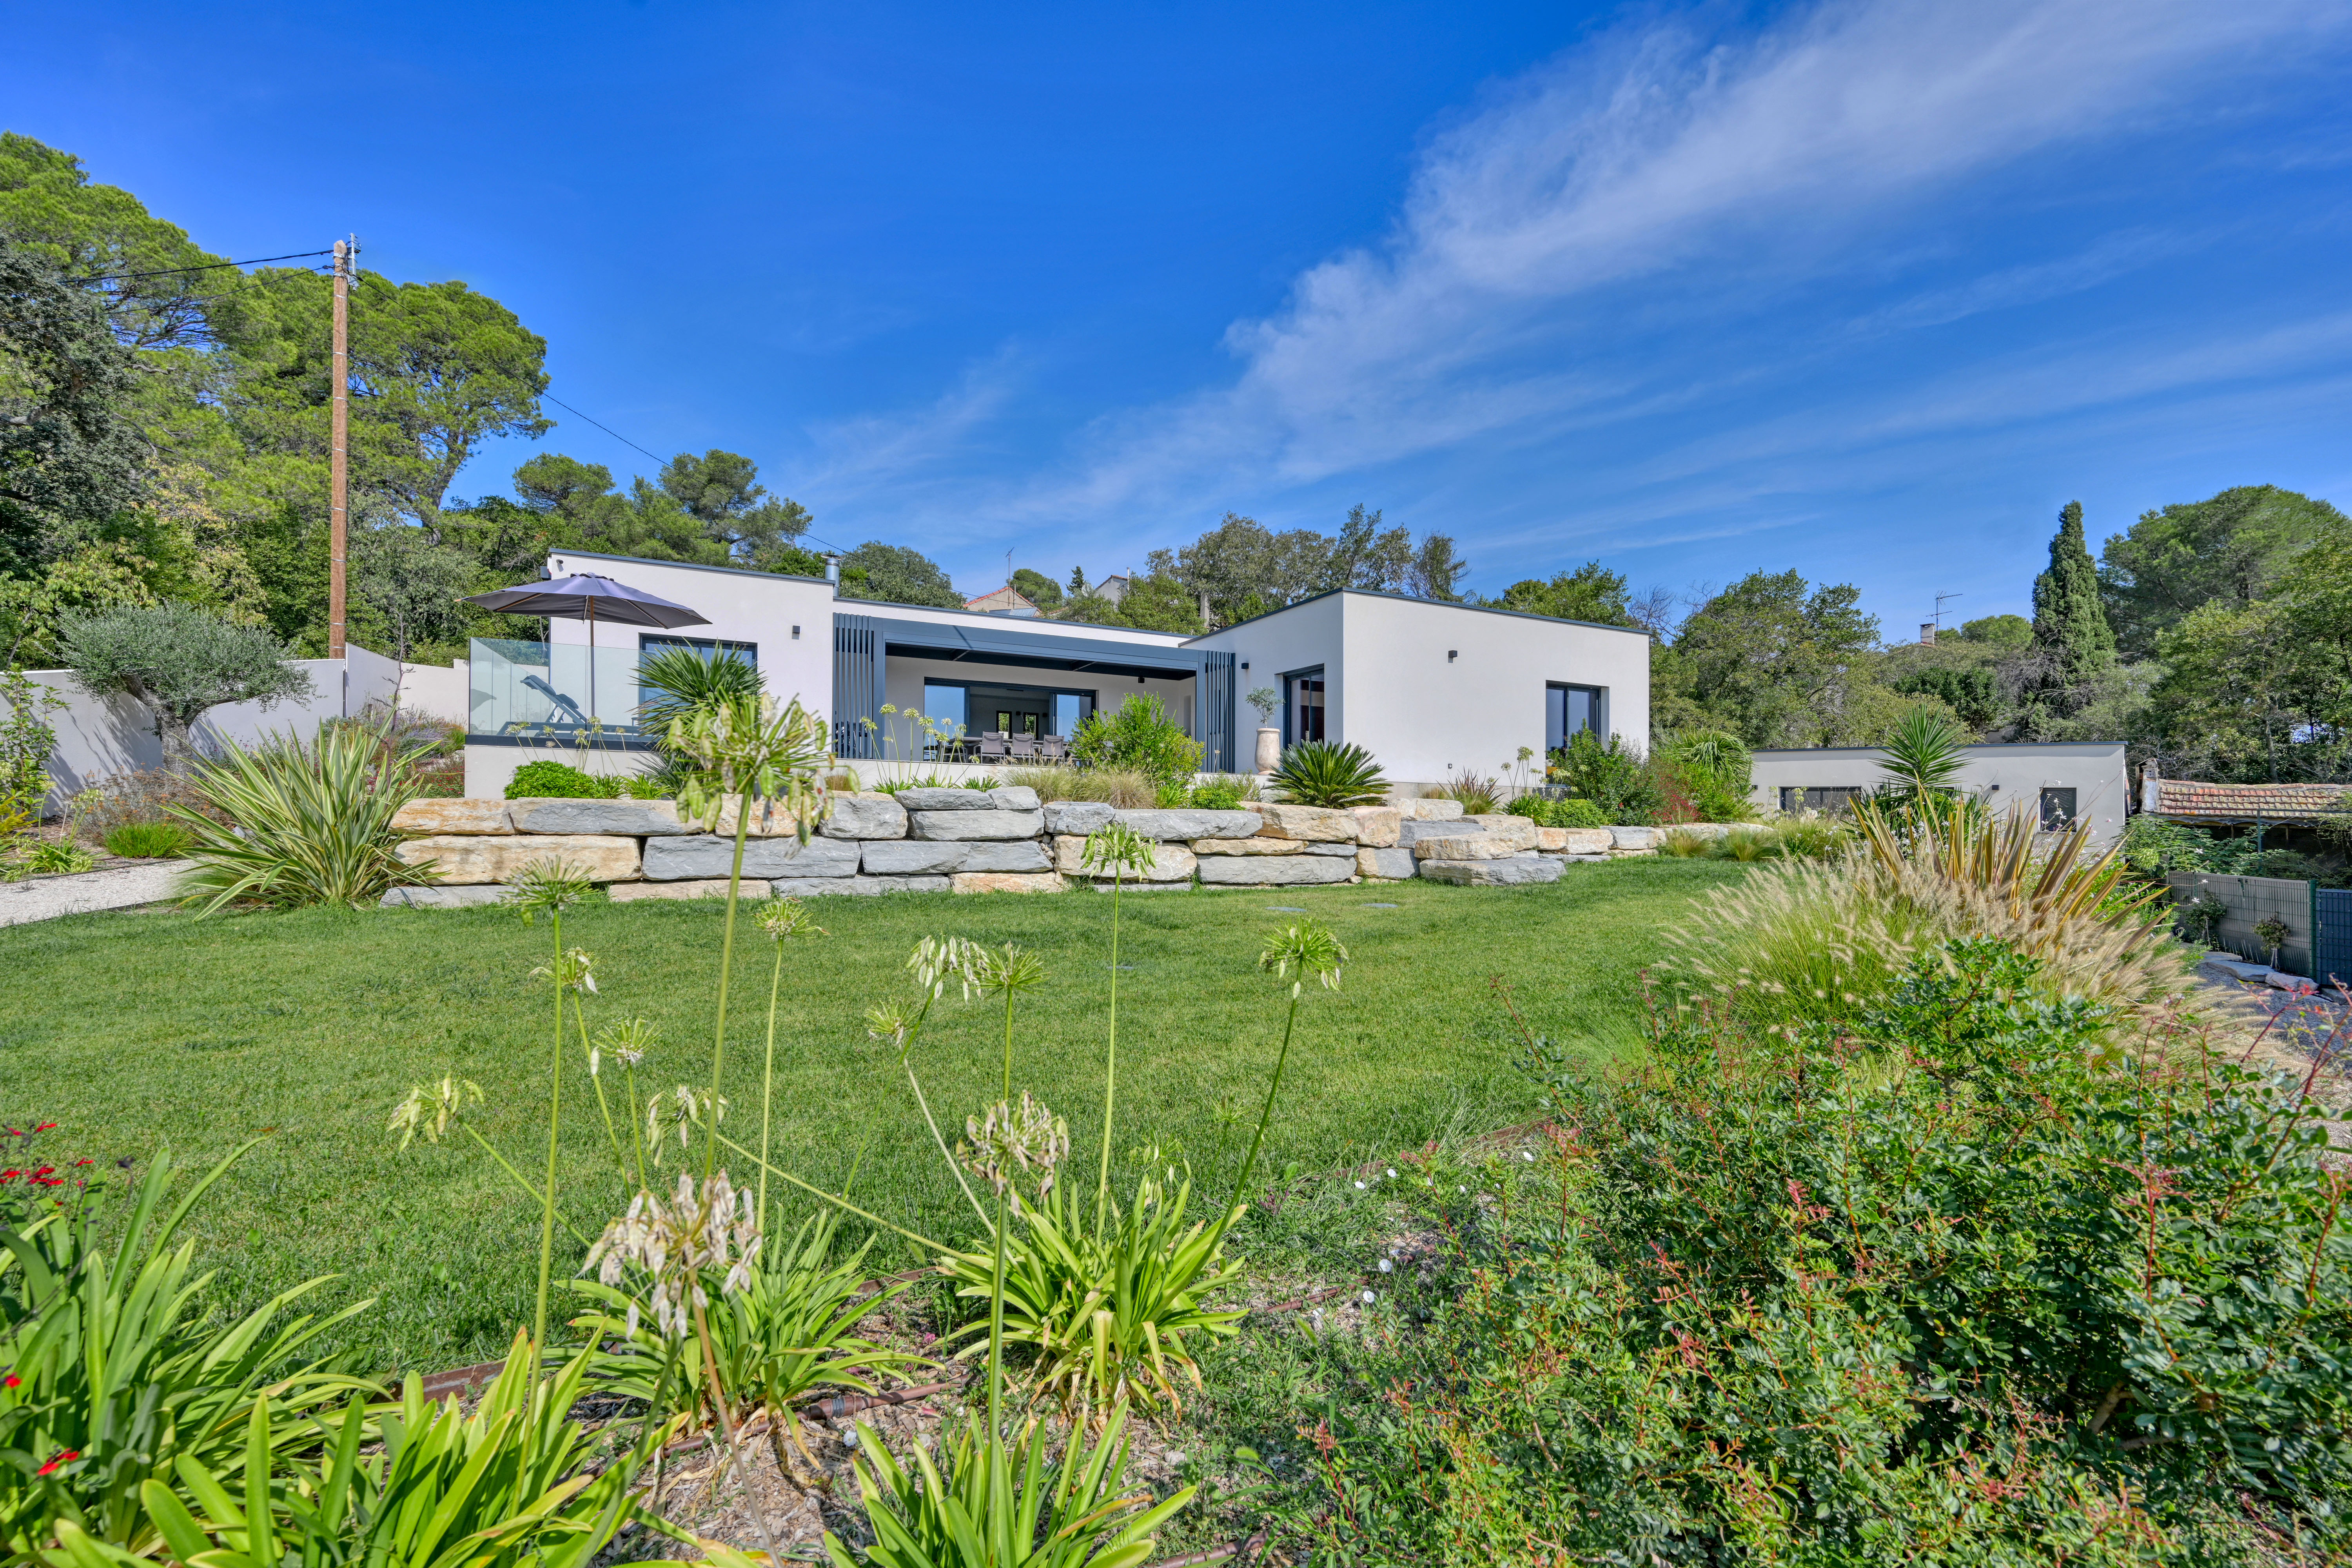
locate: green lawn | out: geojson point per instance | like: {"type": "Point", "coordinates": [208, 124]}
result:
{"type": "Point", "coordinates": [136, 1031]}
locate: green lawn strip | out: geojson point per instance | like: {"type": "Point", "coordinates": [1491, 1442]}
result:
{"type": "Point", "coordinates": [134, 1030]}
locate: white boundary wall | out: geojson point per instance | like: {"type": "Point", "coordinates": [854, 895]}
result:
{"type": "Point", "coordinates": [101, 736]}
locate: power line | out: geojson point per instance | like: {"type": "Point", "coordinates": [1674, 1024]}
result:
{"type": "Point", "coordinates": [624, 441]}
{"type": "Point", "coordinates": [208, 266]}
{"type": "Point", "coordinates": [600, 425]}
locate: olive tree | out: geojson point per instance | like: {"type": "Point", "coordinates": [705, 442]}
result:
{"type": "Point", "coordinates": [178, 661]}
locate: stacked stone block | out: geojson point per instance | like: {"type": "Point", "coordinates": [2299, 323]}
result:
{"type": "Point", "coordinates": [975, 841]}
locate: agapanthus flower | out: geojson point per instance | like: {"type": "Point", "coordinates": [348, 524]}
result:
{"type": "Point", "coordinates": [674, 1242]}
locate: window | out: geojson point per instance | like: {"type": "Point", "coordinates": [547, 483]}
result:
{"type": "Point", "coordinates": [708, 647]}
{"type": "Point", "coordinates": [990, 708]}
{"type": "Point", "coordinates": [1568, 711]}
{"type": "Point", "coordinates": [2057, 809]}
{"type": "Point", "coordinates": [1302, 706]}
{"type": "Point", "coordinates": [1832, 799]}
{"type": "Point", "coordinates": [944, 706]}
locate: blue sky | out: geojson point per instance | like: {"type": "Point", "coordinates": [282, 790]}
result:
{"type": "Point", "coordinates": [1869, 290]}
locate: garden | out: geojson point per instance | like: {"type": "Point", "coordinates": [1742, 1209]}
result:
{"type": "Point", "coordinates": [1850, 1192]}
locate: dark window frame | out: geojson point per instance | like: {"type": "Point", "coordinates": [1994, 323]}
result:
{"type": "Point", "coordinates": [653, 642]}
{"type": "Point", "coordinates": [1819, 797]}
{"type": "Point", "coordinates": [1598, 724]}
{"type": "Point", "coordinates": [2065, 799]}
{"type": "Point", "coordinates": [1290, 706]}
{"type": "Point", "coordinates": [1090, 698]}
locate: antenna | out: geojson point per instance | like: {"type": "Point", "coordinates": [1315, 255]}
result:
{"type": "Point", "coordinates": [1008, 568]}
{"type": "Point", "coordinates": [1939, 608]}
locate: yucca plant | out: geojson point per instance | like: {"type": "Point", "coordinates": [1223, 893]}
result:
{"type": "Point", "coordinates": [674, 681]}
{"type": "Point", "coordinates": [1320, 772]}
{"type": "Point", "coordinates": [402, 1485]}
{"type": "Point", "coordinates": [312, 823]}
{"type": "Point", "coordinates": [117, 1379]}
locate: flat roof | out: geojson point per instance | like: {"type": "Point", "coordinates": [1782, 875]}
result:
{"type": "Point", "coordinates": [1433, 604]}
{"type": "Point", "coordinates": [1971, 746]}
{"type": "Point", "coordinates": [687, 565]}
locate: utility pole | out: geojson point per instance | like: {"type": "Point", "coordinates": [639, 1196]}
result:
{"type": "Point", "coordinates": [339, 469]}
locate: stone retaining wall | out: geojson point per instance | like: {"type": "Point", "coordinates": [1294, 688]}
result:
{"type": "Point", "coordinates": [979, 841]}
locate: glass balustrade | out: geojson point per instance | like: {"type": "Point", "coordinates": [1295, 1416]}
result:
{"type": "Point", "coordinates": [553, 690]}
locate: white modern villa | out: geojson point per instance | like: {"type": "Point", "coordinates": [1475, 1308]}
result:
{"type": "Point", "coordinates": [1429, 688]}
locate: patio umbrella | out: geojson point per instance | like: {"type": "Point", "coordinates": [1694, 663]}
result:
{"type": "Point", "coordinates": [591, 598]}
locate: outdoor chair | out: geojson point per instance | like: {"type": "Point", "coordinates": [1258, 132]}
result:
{"type": "Point", "coordinates": [990, 748]}
{"type": "Point", "coordinates": [1023, 749]}
{"type": "Point", "coordinates": [1053, 749]}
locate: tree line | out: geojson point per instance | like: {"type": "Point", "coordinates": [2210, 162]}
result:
{"type": "Point", "coordinates": [163, 421]}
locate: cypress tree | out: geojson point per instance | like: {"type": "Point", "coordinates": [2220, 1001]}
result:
{"type": "Point", "coordinates": [2070, 624]}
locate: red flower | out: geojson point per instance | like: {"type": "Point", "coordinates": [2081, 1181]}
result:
{"type": "Point", "coordinates": [10, 1176]}
{"type": "Point", "coordinates": [66, 1458]}
{"type": "Point", "coordinates": [14, 1382]}
{"type": "Point", "coordinates": [79, 1163]}
{"type": "Point", "coordinates": [45, 1127]}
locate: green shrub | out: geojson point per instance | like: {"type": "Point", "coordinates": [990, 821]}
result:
{"type": "Point", "coordinates": [56, 856]}
{"type": "Point", "coordinates": [1478, 793]}
{"type": "Point", "coordinates": [1318, 772]}
{"type": "Point", "coordinates": [1936, 1285]}
{"type": "Point", "coordinates": [1222, 794]}
{"type": "Point", "coordinates": [147, 841]}
{"type": "Point", "coordinates": [549, 780]}
{"type": "Point", "coordinates": [1115, 786]}
{"type": "Point", "coordinates": [313, 824]}
{"type": "Point", "coordinates": [1707, 773]}
{"type": "Point", "coordinates": [1683, 844]}
{"type": "Point", "coordinates": [1614, 776]}
{"type": "Point", "coordinates": [1137, 737]}
{"type": "Point", "coordinates": [1545, 811]}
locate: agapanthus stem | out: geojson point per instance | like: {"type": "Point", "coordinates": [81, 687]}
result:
{"type": "Point", "coordinates": [597, 1082]}
{"type": "Point", "coordinates": [726, 964]}
{"type": "Point", "coordinates": [1249, 1164]}
{"type": "Point", "coordinates": [1110, 1057]}
{"type": "Point", "coordinates": [547, 1203]}
{"type": "Point", "coordinates": [768, 1081]}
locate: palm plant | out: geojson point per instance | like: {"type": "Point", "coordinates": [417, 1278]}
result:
{"type": "Point", "coordinates": [1923, 756]}
{"type": "Point", "coordinates": [1320, 772]}
{"type": "Point", "coordinates": [674, 681]}
{"type": "Point", "coordinates": [312, 822]}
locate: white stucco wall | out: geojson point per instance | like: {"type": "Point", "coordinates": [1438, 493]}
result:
{"type": "Point", "coordinates": [435, 690]}
{"type": "Point", "coordinates": [1391, 687]}
{"type": "Point", "coordinates": [101, 736]}
{"type": "Point", "coordinates": [1298, 638]}
{"type": "Point", "coordinates": [758, 607]}
{"type": "Point", "coordinates": [2003, 776]}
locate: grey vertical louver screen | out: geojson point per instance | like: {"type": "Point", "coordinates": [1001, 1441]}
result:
{"type": "Point", "coordinates": [1215, 726]}
{"type": "Point", "coordinates": [856, 684]}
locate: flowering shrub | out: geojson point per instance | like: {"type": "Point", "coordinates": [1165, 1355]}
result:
{"type": "Point", "coordinates": [1935, 1286]}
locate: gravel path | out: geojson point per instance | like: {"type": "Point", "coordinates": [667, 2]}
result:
{"type": "Point", "coordinates": [118, 888]}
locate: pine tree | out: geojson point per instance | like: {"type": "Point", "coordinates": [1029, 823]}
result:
{"type": "Point", "coordinates": [2070, 634]}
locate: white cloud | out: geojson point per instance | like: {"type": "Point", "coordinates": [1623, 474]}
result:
{"type": "Point", "coordinates": [1664, 158]}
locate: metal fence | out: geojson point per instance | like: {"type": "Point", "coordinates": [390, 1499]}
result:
{"type": "Point", "coordinates": [2253, 900]}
